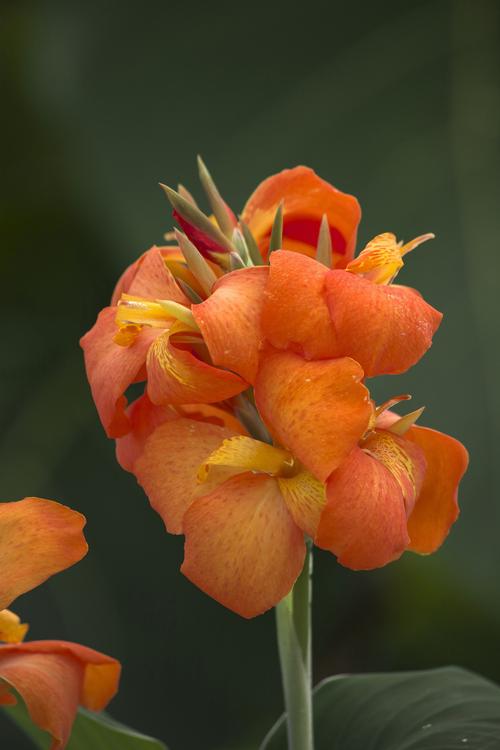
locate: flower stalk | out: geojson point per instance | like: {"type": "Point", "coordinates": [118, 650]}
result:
{"type": "Point", "coordinates": [293, 624]}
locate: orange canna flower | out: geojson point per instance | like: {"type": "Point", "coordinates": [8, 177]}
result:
{"type": "Point", "coordinates": [275, 353]}
{"type": "Point", "coordinates": [53, 678]}
{"type": "Point", "coordinates": [306, 198]}
{"type": "Point", "coordinates": [149, 332]}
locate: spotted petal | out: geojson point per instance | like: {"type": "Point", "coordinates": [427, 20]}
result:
{"type": "Point", "coordinates": [38, 538]}
{"type": "Point", "coordinates": [387, 329]}
{"type": "Point", "coordinates": [242, 546]}
{"type": "Point", "coordinates": [317, 410]}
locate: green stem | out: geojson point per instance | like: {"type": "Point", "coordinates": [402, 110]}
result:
{"type": "Point", "coordinates": [293, 623]}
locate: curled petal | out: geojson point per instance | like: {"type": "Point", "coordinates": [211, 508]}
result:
{"type": "Point", "coordinates": [364, 520]}
{"type": "Point", "coordinates": [295, 314]}
{"type": "Point", "coordinates": [436, 508]}
{"type": "Point", "coordinates": [387, 329]}
{"type": "Point", "coordinates": [306, 198]}
{"type": "Point", "coordinates": [37, 539]}
{"type": "Point", "coordinates": [54, 678]}
{"type": "Point", "coordinates": [242, 546]}
{"type": "Point", "coordinates": [111, 368]}
{"type": "Point", "coordinates": [168, 467]}
{"type": "Point", "coordinates": [230, 320]}
{"type": "Point", "coordinates": [317, 410]}
{"type": "Point", "coordinates": [177, 376]}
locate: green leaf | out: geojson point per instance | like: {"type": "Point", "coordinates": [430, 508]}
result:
{"type": "Point", "coordinates": [90, 732]}
{"type": "Point", "coordinates": [441, 709]}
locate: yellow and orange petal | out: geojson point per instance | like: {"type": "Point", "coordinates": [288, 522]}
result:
{"type": "Point", "coordinates": [318, 410]}
{"type": "Point", "coordinates": [242, 546]}
{"type": "Point", "coordinates": [53, 678]}
{"type": "Point", "coordinates": [306, 197]}
{"type": "Point", "coordinates": [38, 538]}
{"type": "Point", "coordinates": [295, 314]}
{"type": "Point", "coordinates": [168, 466]}
{"type": "Point", "coordinates": [436, 508]}
{"type": "Point", "coordinates": [403, 459]}
{"type": "Point", "coordinates": [305, 498]}
{"type": "Point", "coordinates": [382, 258]}
{"type": "Point", "coordinates": [177, 376]}
{"type": "Point", "coordinates": [387, 329]}
{"type": "Point", "coordinates": [112, 367]}
{"type": "Point", "coordinates": [230, 320]}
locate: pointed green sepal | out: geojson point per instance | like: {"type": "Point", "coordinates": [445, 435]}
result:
{"type": "Point", "coordinates": [276, 241]}
{"type": "Point", "coordinates": [196, 263]}
{"type": "Point", "coordinates": [324, 253]}
{"type": "Point", "coordinates": [241, 247]}
{"type": "Point", "coordinates": [252, 247]}
{"type": "Point", "coordinates": [217, 203]}
{"type": "Point", "coordinates": [184, 193]}
{"type": "Point", "coordinates": [236, 262]}
{"type": "Point", "coordinates": [193, 216]}
{"type": "Point", "coordinates": [189, 292]}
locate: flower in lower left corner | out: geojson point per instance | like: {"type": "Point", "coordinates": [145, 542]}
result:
{"type": "Point", "coordinates": [38, 538]}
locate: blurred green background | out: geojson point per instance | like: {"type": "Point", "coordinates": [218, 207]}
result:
{"type": "Point", "coordinates": [396, 102]}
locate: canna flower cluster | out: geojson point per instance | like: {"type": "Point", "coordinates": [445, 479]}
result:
{"type": "Point", "coordinates": [39, 538]}
{"type": "Point", "coordinates": [255, 432]}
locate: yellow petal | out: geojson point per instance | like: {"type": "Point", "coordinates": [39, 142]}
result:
{"type": "Point", "coordinates": [12, 630]}
{"type": "Point", "coordinates": [248, 454]}
{"type": "Point", "coordinates": [305, 499]}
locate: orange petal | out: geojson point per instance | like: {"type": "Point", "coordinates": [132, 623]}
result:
{"type": "Point", "coordinates": [145, 417]}
{"type": "Point", "coordinates": [306, 198]}
{"type": "Point", "coordinates": [176, 376]}
{"type": "Point", "coordinates": [53, 678]}
{"type": "Point", "coordinates": [387, 329]}
{"type": "Point", "coordinates": [230, 320]}
{"type": "Point", "coordinates": [295, 313]}
{"type": "Point", "coordinates": [436, 508]}
{"type": "Point", "coordinates": [364, 520]}
{"type": "Point", "coordinates": [37, 539]}
{"type": "Point", "coordinates": [149, 276]}
{"type": "Point", "coordinates": [317, 410]}
{"type": "Point", "coordinates": [168, 466]}
{"type": "Point", "coordinates": [111, 368]}
{"type": "Point", "coordinates": [155, 281]}
{"type": "Point", "coordinates": [242, 546]}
